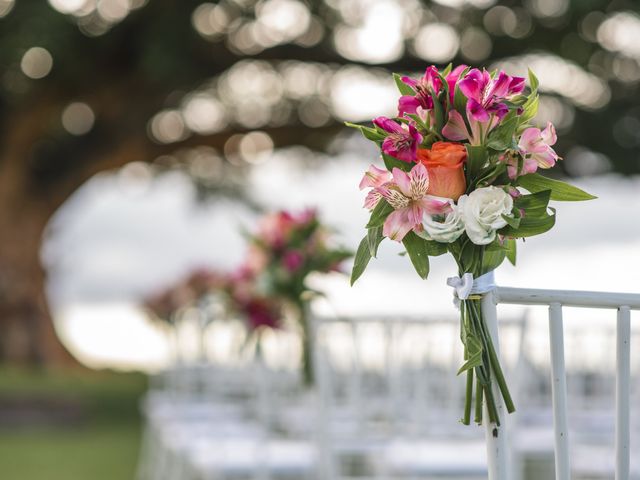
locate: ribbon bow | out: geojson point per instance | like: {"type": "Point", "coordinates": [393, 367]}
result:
{"type": "Point", "coordinates": [462, 286]}
{"type": "Point", "coordinates": [467, 285]}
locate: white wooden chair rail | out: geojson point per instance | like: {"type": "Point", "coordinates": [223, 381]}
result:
{"type": "Point", "coordinates": [555, 300]}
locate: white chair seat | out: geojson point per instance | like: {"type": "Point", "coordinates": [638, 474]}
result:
{"type": "Point", "coordinates": [244, 456]}
{"type": "Point", "coordinates": [443, 458]}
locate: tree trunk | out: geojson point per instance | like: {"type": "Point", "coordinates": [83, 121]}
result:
{"type": "Point", "coordinates": [27, 332]}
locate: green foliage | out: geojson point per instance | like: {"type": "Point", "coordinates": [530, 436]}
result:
{"type": "Point", "coordinates": [510, 245]}
{"type": "Point", "coordinates": [502, 137]}
{"type": "Point", "coordinates": [477, 158]}
{"type": "Point", "coordinates": [392, 163]}
{"type": "Point", "coordinates": [530, 109]}
{"type": "Point", "coordinates": [533, 80]}
{"type": "Point", "coordinates": [363, 255]}
{"type": "Point", "coordinates": [403, 88]}
{"type": "Point", "coordinates": [473, 349]}
{"type": "Point", "coordinates": [367, 132]}
{"type": "Point", "coordinates": [418, 252]}
{"type": "Point", "coordinates": [379, 214]}
{"type": "Point", "coordinates": [561, 191]}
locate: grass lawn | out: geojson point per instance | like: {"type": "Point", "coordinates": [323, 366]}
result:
{"type": "Point", "coordinates": [78, 425]}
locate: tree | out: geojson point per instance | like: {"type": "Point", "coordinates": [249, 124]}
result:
{"type": "Point", "coordinates": [106, 81]}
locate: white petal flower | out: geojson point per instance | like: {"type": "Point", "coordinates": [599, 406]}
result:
{"type": "Point", "coordinates": [482, 212]}
{"type": "Point", "coordinates": [445, 228]}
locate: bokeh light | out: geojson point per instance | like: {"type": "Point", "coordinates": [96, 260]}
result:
{"type": "Point", "coordinates": [437, 42]}
{"type": "Point", "coordinates": [168, 126]}
{"type": "Point", "coordinates": [78, 118]}
{"type": "Point", "coordinates": [36, 63]}
{"type": "Point", "coordinates": [5, 7]}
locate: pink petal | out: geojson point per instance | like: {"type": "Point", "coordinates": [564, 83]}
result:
{"type": "Point", "coordinates": [397, 225]}
{"type": "Point", "coordinates": [374, 177]}
{"type": "Point", "coordinates": [432, 78]}
{"type": "Point", "coordinates": [435, 205]}
{"type": "Point", "coordinates": [455, 129]}
{"type": "Point", "coordinates": [472, 84]}
{"type": "Point", "coordinates": [409, 81]}
{"type": "Point", "coordinates": [388, 125]}
{"type": "Point", "coordinates": [546, 159]}
{"type": "Point", "coordinates": [407, 104]}
{"type": "Point", "coordinates": [530, 165]}
{"type": "Point", "coordinates": [476, 111]}
{"type": "Point", "coordinates": [372, 199]}
{"type": "Point", "coordinates": [402, 180]}
{"type": "Point", "coordinates": [530, 140]}
{"type": "Point", "coordinates": [419, 181]}
{"type": "Point", "coordinates": [549, 134]}
{"type": "Point", "coordinates": [500, 86]}
{"type": "Point", "coordinates": [516, 86]}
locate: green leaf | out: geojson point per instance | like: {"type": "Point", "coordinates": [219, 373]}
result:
{"type": "Point", "coordinates": [502, 137]}
{"type": "Point", "coordinates": [510, 245]}
{"type": "Point", "coordinates": [561, 191]}
{"type": "Point", "coordinates": [434, 248]}
{"type": "Point", "coordinates": [438, 114]}
{"type": "Point", "coordinates": [361, 261]}
{"type": "Point", "coordinates": [493, 257]}
{"type": "Point", "coordinates": [392, 163]}
{"type": "Point", "coordinates": [403, 88]}
{"type": "Point", "coordinates": [379, 214]}
{"type": "Point", "coordinates": [476, 160]}
{"type": "Point", "coordinates": [530, 226]}
{"type": "Point", "coordinates": [447, 70]}
{"type": "Point", "coordinates": [368, 132]}
{"type": "Point", "coordinates": [534, 205]}
{"type": "Point", "coordinates": [473, 348]}
{"type": "Point", "coordinates": [529, 109]}
{"type": "Point", "coordinates": [533, 81]}
{"type": "Point", "coordinates": [512, 221]}
{"type": "Point", "coordinates": [418, 253]}
{"type": "Point", "coordinates": [374, 237]}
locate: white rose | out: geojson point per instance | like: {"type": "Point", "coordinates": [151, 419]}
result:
{"type": "Point", "coordinates": [444, 228]}
{"type": "Point", "coordinates": [482, 212]}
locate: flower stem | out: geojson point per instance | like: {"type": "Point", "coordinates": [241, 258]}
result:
{"type": "Point", "coordinates": [467, 400]}
{"type": "Point", "coordinates": [478, 413]}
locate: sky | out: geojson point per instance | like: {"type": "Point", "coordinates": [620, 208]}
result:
{"type": "Point", "coordinates": [118, 240]}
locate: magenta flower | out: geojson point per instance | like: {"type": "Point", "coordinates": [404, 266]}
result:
{"type": "Point", "coordinates": [535, 146]}
{"type": "Point", "coordinates": [485, 94]}
{"type": "Point", "coordinates": [425, 87]}
{"type": "Point", "coordinates": [292, 260]}
{"type": "Point", "coordinates": [402, 141]}
{"type": "Point", "coordinates": [452, 79]}
{"type": "Point", "coordinates": [407, 194]}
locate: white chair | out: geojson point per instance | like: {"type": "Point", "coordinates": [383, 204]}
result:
{"type": "Point", "coordinates": [587, 457]}
{"type": "Point", "coordinates": [390, 400]}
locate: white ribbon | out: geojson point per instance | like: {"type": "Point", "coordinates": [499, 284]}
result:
{"type": "Point", "coordinates": [467, 285]}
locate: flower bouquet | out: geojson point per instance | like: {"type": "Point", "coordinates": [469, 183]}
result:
{"type": "Point", "coordinates": [460, 176]}
{"type": "Point", "coordinates": [285, 249]}
{"type": "Point", "coordinates": [256, 309]}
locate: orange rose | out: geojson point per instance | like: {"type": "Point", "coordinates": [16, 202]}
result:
{"type": "Point", "coordinates": [444, 164]}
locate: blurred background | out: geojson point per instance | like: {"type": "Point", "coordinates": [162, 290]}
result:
{"type": "Point", "coordinates": [138, 138]}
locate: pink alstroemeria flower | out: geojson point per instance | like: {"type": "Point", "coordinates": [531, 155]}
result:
{"type": "Point", "coordinates": [425, 87]}
{"type": "Point", "coordinates": [535, 146]}
{"type": "Point", "coordinates": [407, 194]}
{"type": "Point", "coordinates": [485, 94]}
{"type": "Point", "coordinates": [529, 165]}
{"type": "Point", "coordinates": [402, 141]}
{"type": "Point", "coordinates": [374, 178]}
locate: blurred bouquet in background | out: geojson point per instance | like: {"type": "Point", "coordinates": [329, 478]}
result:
{"type": "Point", "coordinates": [283, 251]}
{"type": "Point", "coordinates": [460, 177]}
